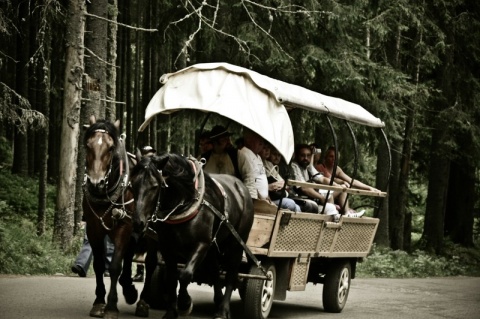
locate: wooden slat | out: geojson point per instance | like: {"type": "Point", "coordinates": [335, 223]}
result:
{"type": "Point", "coordinates": [354, 191]}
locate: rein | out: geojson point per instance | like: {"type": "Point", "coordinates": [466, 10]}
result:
{"type": "Point", "coordinates": [118, 189]}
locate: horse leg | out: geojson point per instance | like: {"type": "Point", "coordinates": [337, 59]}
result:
{"type": "Point", "coordinates": [129, 291]}
{"type": "Point", "coordinates": [111, 310]}
{"type": "Point", "coordinates": [214, 272]}
{"type": "Point", "coordinates": [98, 251]}
{"type": "Point", "coordinates": [233, 261]}
{"type": "Point", "coordinates": [185, 277]}
{"type": "Point", "coordinates": [151, 262]}
{"type": "Point", "coordinates": [171, 289]}
{"type": "Point", "coordinates": [184, 303]}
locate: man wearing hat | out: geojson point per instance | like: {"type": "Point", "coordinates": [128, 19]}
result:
{"type": "Point", "coordinates": [222, 159]}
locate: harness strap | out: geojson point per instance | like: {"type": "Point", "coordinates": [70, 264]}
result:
{"type": "Point", "coordinates": [195, 208]}
{"type": "Point", "coordinates": [234, 232]}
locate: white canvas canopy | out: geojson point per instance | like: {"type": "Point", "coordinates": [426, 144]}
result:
{"type": "Point", "coordinates": [249, 98]}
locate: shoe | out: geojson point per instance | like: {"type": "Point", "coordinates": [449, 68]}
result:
{"type": "Point", "coordinates": [355, 214]}
{"type": "Point", "coordinates": [77, 269]}
{"type": "Point", "coordinates": [138, 278]}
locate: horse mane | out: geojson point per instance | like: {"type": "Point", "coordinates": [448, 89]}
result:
{"type": "Point", "coordinates": [178, 169]}
{"type": "Point", "coordinates": [102, 125]}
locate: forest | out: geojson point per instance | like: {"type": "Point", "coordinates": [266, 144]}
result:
{"type": "Point", "coordinates": [414, 64]}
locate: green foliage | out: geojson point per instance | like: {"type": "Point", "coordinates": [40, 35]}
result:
{"type": "Point", "coordinates": [23, 252]}
{"type": "Point", "coordinates": [20, 197]}
{"type": "Point", "coordinates": [387, 263]}
{"type": "Point", "coordinates": [5, 152]}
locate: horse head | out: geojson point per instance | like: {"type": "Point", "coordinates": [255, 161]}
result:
{"type": "Point", "coordinates": [101, 141]}
{"type": "Point", "coordinates": [162, 185]}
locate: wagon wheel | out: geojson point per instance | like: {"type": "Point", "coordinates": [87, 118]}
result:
{"type": "Point", "coordinates": [157, 285]}
{"type": "Point", "coordinates": [258, 298]}
{"type": "Point", "coordinates": [336, 287]}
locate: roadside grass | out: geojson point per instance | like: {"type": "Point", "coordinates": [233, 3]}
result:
{"type": "Point", "coordinates": [22, 252]}
{"type": "Point", "coordinates": [387, 263]}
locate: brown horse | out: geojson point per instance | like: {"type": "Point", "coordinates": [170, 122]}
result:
{"type": "Point", "coordinates": [107, 206]}
{"type": "Point", "coordinates": [200, 220]}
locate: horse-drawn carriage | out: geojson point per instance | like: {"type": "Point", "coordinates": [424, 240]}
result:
{"type": "Point", "coordinates": [285, 250]}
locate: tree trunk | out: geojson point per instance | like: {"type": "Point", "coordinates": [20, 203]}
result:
{"type": "Point", "coordinates": [94, 97]}
{"type": "Point", "coordinates": [129, 80]}
{"type": "Point", "coordinates": [437, 193]}
{"type": "Point", "coordinates": [96, 61]}
{"type": "Point", "coordinates": [137, 114]}
{"type": "Point", "coordinates": [111, 113]}
{"type": "Point", "coordinates": [395, 229]}
{"type": "Point", "coordinates": [20, 145]}
{"type": "Point", "coordinates": [460, 203]}
{"type": "Point", "coordinates": [63, 228]}
{"type": "Point", "coordinates": [43, 72]}
{"type": "Point", "coordinates": [383, 171]}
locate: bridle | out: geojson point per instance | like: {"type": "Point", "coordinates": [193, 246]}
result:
{"type": "Point", "coordinates": [113, 194]}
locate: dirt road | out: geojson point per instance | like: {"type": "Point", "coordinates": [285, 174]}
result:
{"type": "Point", "coordinates": [71, 297]}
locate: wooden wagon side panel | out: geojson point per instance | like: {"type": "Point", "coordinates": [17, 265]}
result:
{"type": "Point", "coordinates": [354, 237]}
{"type": "Point", "coordinates": [296, 234]}
{"type": "Point", "coordinates": [291, 234]}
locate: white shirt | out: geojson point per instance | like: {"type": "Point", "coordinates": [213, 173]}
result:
{"type": "Point", "coordinates": [307, 174]}
{"type": "Point", "coordinates": [253, 174]}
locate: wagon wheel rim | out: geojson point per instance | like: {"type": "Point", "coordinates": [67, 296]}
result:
{"type": "Point", "coordinates": [267, 292]}
{"type": "Point", "coordinates": [343, 285]}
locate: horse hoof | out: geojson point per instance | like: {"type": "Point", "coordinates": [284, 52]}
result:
{"type": "Point", "coordinates": [131, 294]}
{"type": "Point", "coordinates": [170, 315]}
{"type": "Point", "coordinates": [184, 305]}
{"type": "Point", "coordinates": [142, 309]}
{"type": "Point", "coordinates": [185, 311]}
{"type": "Point", "coordinates": [98, 310]}
{"type": "Point", "coordinates": [111, 315]}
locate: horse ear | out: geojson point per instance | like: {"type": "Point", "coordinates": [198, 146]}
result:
{"type": "Point", "coordinates": [138, 154]}
{"type": "Point", "coordinates": [117, 124]}
{"type": "Point", "coordinates": [163, 161]}
{"type": "Point", "coordinates": [92, 121]}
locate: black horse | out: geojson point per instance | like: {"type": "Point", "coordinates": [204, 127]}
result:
{"type": "Point", "coordinates": [107, 204]}
{"type": "Point", "coordinates": [200, 221]}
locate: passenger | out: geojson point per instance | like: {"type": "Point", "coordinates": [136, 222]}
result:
{"type": "Point", "coordinates": [223, 157]}
{"type": "Point", "coordinates": [204, 143]}
{"type": "Point", "coordinates": [276, 183]}
{"type": "Point", "coordinates": [326, 168]}
{"type": "Point", "coordinates": [276, 159]}
{"type": "Point", "coordinates": [317, 154]}
{"type": "Point", "coordinates": [303, 171]}
{"type": "Point", "coordinates": [250, 165]}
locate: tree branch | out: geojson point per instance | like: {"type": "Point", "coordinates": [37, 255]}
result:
{"type": "Point", "coordinates": [120, 24]}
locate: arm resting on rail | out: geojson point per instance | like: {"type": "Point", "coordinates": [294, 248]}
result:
{"type": "Point", "coordinates": [306, 185]}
